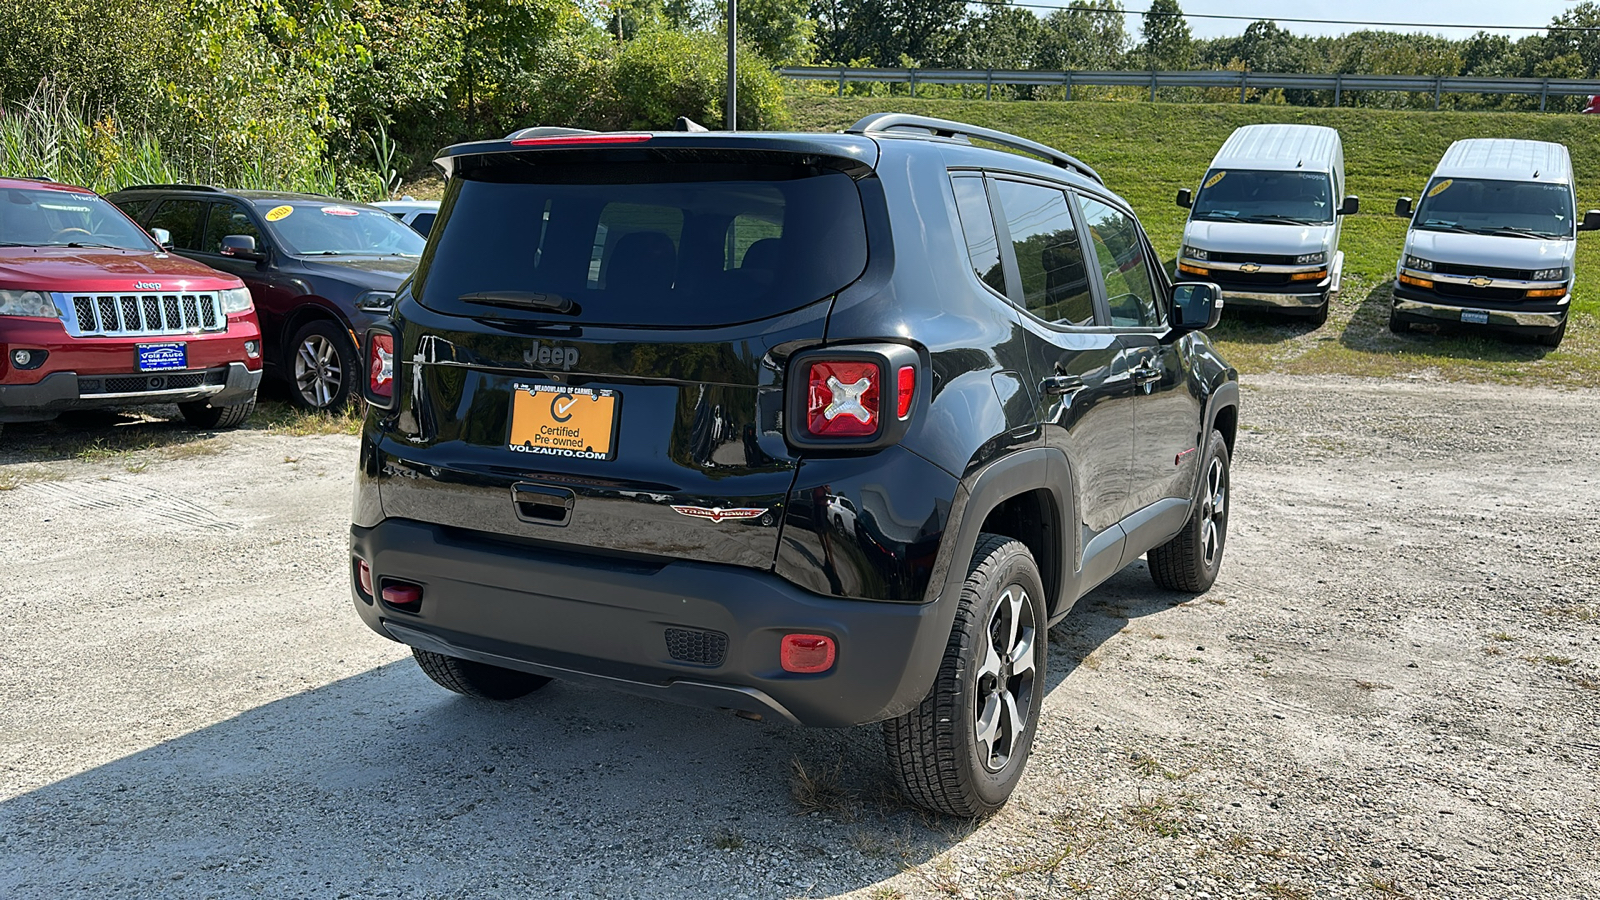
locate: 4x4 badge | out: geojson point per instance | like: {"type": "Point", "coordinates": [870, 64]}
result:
{"type": "Point", "coordinates": [717, 513]}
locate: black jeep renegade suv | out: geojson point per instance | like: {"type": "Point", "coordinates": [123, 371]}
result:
{"type": "Point", "coordinates": [827, 428]}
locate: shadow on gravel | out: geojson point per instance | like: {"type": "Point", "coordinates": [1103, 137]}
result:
{"type": "Point", "coordinates": [1128, 595]}
{"type": "Point", "coordinates": [383, 783]}
{"type": "Point", "coordinates": [1369, 332]}
{"type": "Point", "coordinates": [91, 435]}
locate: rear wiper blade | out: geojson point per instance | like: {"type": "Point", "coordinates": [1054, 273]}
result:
{"type": "Point", "coordinates": [522, 300]}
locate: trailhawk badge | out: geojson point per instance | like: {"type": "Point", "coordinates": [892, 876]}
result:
{"type": "Point", "coordinates": [717, 513]}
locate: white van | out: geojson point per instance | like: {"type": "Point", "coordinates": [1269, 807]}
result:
{"type": "Point", "coordinates": [1492, 241]}
{"type": "Point", "coordinates": [1265, 223]}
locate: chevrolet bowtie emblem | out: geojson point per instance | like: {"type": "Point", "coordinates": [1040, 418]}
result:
{"type": "Point", "coordinates": [717, 513]}
{"type": "Point", "coordinates": [1249, 267]}
{"type": "Point", "coordinates": [1480, 281]}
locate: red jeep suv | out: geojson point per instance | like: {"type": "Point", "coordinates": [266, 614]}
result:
{"type": "Point", "coordinates": [93, 313]}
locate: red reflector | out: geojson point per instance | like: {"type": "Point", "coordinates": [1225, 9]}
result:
{"type": "Point", "coordinates": [908, 389]}
{"type": "Point", "coordinates": [619, 137]}
{"type": "Point", "coordinates": [380, 365]}
{"type": "Point", "coordinates": [842, 399]}
{"type": "Point", "coordinates": [364, 576]}
{"type": "Point", "coordinates": [402, 594]}
{"type": "Point", "coordinates": [806, 653]}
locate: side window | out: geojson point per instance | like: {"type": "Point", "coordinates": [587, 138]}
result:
{"type": "Point", "coordinates": [424, 222]}
{"type": "Point", "coordinates": [182, 219]}
{"type": "Point", "coordinates": [134, 208]}
{"type": "Point", "coordinates": [1130, 287]}
{"type": "Point", "coordinates": [983, 247]}
{"type": "Point", "coordinates": [226, 219]}
{"type": "Point", "coordinates": [1055, 280]}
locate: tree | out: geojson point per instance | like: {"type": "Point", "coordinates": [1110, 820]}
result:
{"type": "Point", "coordinates": [1088, 34]}
{"type": "Point", "coordinates": [1168, 43]}
{"type": "Point", "coordinates": [1002, 36]}
{"type": "Point", "coordinates": [888, 32]}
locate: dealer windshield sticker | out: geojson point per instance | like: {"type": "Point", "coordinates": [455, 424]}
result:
{"type": "Point", "coordinates": [559, 420]}
{"type": "Point", "coordinates": [1216, 178]}
{"type": "Point", "coordinates": [1440, 188]}
{"type": "Point", "coordinates": [340, 211]}
{"type": "Point", "coordinates": [279, 212]}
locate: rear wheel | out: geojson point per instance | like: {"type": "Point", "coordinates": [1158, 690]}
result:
{"type": "Point", "coordinates": [962, 750]}
{"type": "Point", "coordinates": [475, 679]}
{"type": "Point", "coordinates": [321, 366]}
{"type": "Point", "coordinates": [1191, 560]}
{"type": "Point", "coordinates": [201, 414]}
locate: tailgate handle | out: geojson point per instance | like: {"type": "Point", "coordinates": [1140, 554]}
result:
{"type": "Point", "coordinates": [541, 504]}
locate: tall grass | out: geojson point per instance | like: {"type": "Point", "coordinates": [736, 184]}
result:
{"type": "Point", "coordinates": [49, 135]}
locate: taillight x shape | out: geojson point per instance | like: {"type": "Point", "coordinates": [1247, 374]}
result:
{"type": "Point", "coordinates": [843, 398]}
{"type": "Point", "coordinates": [853, 396]}
{"type": "Point", "coordinates": [380, 367]}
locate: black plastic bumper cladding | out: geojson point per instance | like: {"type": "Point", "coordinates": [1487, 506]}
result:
{"type": "Point", "coordinates": [580, 616]}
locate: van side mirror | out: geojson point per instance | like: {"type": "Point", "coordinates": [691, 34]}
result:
{"type": "Point", "coordinates": [1591, 221]}
{"type": "Point", "coordinates": [1185, 198]}
{"type": "Point", "coordinates": [1402, 207]}
{"type": "Point", "coordinates": [1196, 306]}
{"type": "Point", "coordinates": [240, 246]}
{"type": "Point", "coordinates": [162, 236]}
{"type": "Point", "coordinates": [1351, 206]}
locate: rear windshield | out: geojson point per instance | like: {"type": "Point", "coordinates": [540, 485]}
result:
{"type": "Point", "coordinates": [1270, 197]}
{"type": "Point", "coordinates": [1484, 206]}
{"type": "Point", "coordinates": [683, 244]}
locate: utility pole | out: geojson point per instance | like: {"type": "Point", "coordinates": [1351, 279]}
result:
{"type": "Point", "coordinates": [733, 72]}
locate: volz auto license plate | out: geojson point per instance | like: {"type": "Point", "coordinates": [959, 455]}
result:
{"type": "Point", "coordinates": [557, 420]}
{"type": "Point", "coordinates": [1473, 317]}
{"type": "Point", "coordinates": [160, 357]}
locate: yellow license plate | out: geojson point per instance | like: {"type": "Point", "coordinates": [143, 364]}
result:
{"type": "Point", "coordinates": [557, 420]}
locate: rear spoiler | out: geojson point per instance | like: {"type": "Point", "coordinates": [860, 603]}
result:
{"type": "Point", "coordinates": [856, 154]}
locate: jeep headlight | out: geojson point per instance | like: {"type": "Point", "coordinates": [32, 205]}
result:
{"type": "Point", "coordinates": [1556, 274]}
{"type": "Point", "coordinates": [1196, 253]}
{"type": "Point", "coordinates": [1418, 263]}
{"type": "Point", "coordinates": [1311, 259]}
{"type": "Point", "coordinates": [375, 301]}
{"type": "Point", "coordinates": [28, 303]}
{"type": "Point", "coordinates": [236, 300]}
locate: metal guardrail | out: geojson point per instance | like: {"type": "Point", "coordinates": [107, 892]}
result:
{"type": "Point", "coordinates": [1545, 88]}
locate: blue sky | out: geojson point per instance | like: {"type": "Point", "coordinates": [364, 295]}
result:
{"type": "Point", "coordinates": [1469, 12]}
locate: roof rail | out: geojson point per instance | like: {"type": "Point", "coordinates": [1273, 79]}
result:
{"type": "Point", "coordinates": [545, 131]}
{"type": "Point", "coordinates": [173, 187]}
{"type": "Point", "coordinates": [879, 123]}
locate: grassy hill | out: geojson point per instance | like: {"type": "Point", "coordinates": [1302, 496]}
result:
{"type": "Point", "coordinates": [1147, 151]}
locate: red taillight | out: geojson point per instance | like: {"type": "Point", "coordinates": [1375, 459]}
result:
{"type": "Point", "coordinates": [364, 577]}
{"type": "Point", "coordinates": [806, 654]}
{"type": "Point", "coordinates": [380, 365]}
{"type": "Point", "coordinates": [908, 389]}
{"type": "Point", "coordinates": [842, 399]}
{"type": "Point", "coordinates": [403, 595]}
{"type": "Point", "coordinates": [620, 137]}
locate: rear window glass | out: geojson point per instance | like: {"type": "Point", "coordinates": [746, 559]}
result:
{"type": "Point", "coordinates": [647, 244]}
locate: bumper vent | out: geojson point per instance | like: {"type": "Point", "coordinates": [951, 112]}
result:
{"type": "Point", "coordinates": [139, 384]}
{"type": "Point", "coordinates": [706, 648]}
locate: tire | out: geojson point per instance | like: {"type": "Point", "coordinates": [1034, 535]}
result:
{"type": "Point", "coordinates": [1191, 560]}
{"type": "Point", "coordinates": [1319, 316]}
{"type": "Point", "coordinates": [1553, 339]}
{"type": "Point", "coordinates": [475, 679]}
{"type": "Point", "coordinates": [203, 415]}
{"type": "Point", "coordinates": [1396, 325]}
{"type": "Point", "coordinates": [937, 753]}
{"type": "Point", "coordinates": [321, 366]}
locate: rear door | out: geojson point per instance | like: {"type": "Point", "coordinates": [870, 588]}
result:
{"type": "Point", "coordinates": [597, 350]}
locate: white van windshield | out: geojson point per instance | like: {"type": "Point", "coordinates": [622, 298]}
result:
{"type": "Point", "coordinates": [1288, 198]}
{"type": "Point", "coordinates": [1482, 206]}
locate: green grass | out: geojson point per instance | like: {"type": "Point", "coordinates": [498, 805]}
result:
{"type": "Point", "coordinates": [1147, 151]}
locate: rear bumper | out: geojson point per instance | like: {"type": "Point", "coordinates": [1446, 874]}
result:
{"type": "Point", "coordinates": [588, 618]}
{"type": "Point", "coordinates": [1530, 318]}
{"type": "Point", "coordinates": [62, 391]}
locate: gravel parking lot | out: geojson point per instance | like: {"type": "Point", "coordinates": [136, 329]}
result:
{"type": "Point", "coordinates": [1393, 690]}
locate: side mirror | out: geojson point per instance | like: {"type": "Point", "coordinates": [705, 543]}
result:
{"type": "Point", "coordinates": [1185, 198]}
{"type": "Point", "coordinates": [240, 246]}
{"type": "Point", "coordinates": [162, 236]}
{"type": "Point", "coordinates": [1402, 207]}
{"type": "Point", "coordinates": [1196, 306]}
{"type": "Point", "coordinates": [1591, 221]}
{"type": "Point", "coordinates": [1352, 205]}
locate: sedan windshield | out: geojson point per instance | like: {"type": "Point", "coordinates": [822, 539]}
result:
{"type": "Point", "coordinates": [46, 218]}
{"type": "Point", "coordinates": [1288, 198]}
{"type": "Point", "coordinates": [1482, 206]}
{"type": "Point", "coordinates": [310, 228]}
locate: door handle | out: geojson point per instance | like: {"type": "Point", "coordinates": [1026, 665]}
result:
{"type": "Point", "coordinates": [1059, 385]}
{"type": "Point", "coordinates": [1145, 373]}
